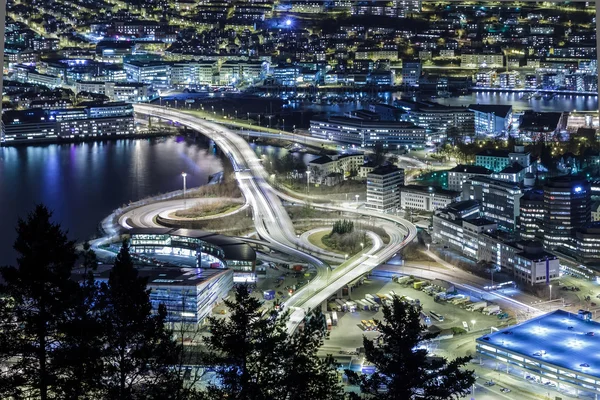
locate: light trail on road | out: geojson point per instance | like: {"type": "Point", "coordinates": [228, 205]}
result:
{"type": "Point", "coordinates": [273, 223]}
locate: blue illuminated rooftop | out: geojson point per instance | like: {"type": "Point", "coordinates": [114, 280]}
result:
{"type": "Point", "coordinates": [560, 338]}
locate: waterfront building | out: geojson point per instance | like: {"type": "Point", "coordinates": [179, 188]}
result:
{"type": "Point", "coordinates": [461, 173]}
{"type": "Point", "coordinates": [491, 120]}
{"type": "Point", "coordinates": [286, 75]}
{"type": "Point", "coordinates": [436, 117]}
{"type": "Point", "coordinates": [115, 91]}
{"type": "Point", "coordinates": [567, 206]}
{"type": "Point", "coordinates": [38, 125]}
{"type": "Point", "coordinates": [368, 133]}
{"type": "Point", "coordinates": [499, 199]}
{"type": "Point", "coordinates": [383, 188]}
{"type": "Point", "coordinates": [426, 198]}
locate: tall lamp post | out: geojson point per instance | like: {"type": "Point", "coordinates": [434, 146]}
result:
{"type": "Point", "coordinates": [357, 196]}
{"type": "Point", "coordinates": [307, 181]}
{"type": "Point", "coordinates": [550, 292]}
{"type": "Point", "coordinates": [184, 175]}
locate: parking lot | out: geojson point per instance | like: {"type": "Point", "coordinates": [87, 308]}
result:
{"type": "Point", "coordinates": [348, 334]}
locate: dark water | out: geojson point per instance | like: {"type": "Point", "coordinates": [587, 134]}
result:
{"type": "Point", "coordinates": [519, 101]}
{"type": "Point", "coordinates": [82, 183]}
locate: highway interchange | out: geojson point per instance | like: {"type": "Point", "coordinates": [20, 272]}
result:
{"type": "Point", "coordinates": [273, 223]}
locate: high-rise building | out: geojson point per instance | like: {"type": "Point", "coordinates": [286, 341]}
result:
{"type": "Point", "coordinates": [567, 206]}
{"type": "Point", "coordinates": [383, 188]}
{"type": "Point", "coordinates": [499, 199]}
{"type": "Point", "coordinates": [531, 214]}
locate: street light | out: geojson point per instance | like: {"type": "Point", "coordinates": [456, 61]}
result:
{"type": "Point", "coordinates": [184, 175]}
{"type": "Point", "coordinates": [357, 196]}
{"type": "Point", "coordinates": [362, 246]}
{"type": "Point", "coordinates": [307, 180]}
{"type": "Point", "coordinates": [346, 256]}
{"type": "Point", "coordinates": [473, 324]}
{"type": "Point", "coordinates": [550, 292]}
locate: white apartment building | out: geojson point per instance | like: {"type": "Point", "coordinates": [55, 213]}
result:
{"type": "Point", "coordinates": [383, 186]}
{"type": "Point", "coordinates": [426, 198]}
{"type": "Point", "coordinates": [482, 60]}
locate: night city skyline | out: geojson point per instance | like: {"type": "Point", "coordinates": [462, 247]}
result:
{"type": "Point", "coordinates": [299, 200]}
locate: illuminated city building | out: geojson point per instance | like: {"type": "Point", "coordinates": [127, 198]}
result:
{"type": "Point", "coordinates": [567, 206]}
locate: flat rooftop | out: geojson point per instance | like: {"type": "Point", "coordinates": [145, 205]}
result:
{"type": "Point", "coordinates": [170, 276]}
{"type": "Point", "coordinates": [560, 338]}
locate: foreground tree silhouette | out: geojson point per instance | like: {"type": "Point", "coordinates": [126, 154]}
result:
{"type": "Point", "coordinates": [256, 359]}
{"type": "Point", "coordinates": [79, 359]}
{"type": "Point", "coordinates": [139, 349]}
{"type": "Point", "coordinates": [39, 301]}
{"type": "Point", "coordinates": [403, 370]}
{"type": "Point", "coordinates": [306, 375]}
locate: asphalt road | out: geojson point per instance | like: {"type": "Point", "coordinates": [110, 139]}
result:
{"type": "Point", "coordinates": [273, 223]}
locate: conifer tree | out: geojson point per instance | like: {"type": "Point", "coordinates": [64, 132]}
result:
{"type": "Point", "coordinates": [139, 349]}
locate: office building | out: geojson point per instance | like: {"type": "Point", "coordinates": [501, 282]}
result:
{"type": "Point", "coordinates": [189, 294]}
{"type": "Point", "coordinates": [426, 198]}
{"type": "Point", "coordinates": [448, 223]}
{"type": "Point", "coordinates": [115, 91]}
{"type": "Point", "coordinates": [585, 246]}
{"type": "Point", "coordinates": [193, 73]}
{"type": "Point", "coordinates": [556, 348]}
{"type": "Point", "coordinates": [38, 125]}
{"type": "Point", "coordinates": [491, 120]}
{"type": "Point", "coordinates": [567, 206]}
{"type": "Point", "coordinates": [286, 75]}
{"type": "Point", "coordinates": [531, 214]}
{"type": "Point", "coordinates": [437, 117]}
{"type": "Point", "coordinates": [383, 189]}
{"type": "Point", "coordinates": [362, 133]}
{"type": "Point", "coordinates": [152, 72]}
{"type": "Point", "coordinates": [525, 260]}
{"type": "Point", "coordinates": [461, 173]}
{"type": "Point", "coordinates": [210, 250]}
{"type": "Point", "coordinates": [499, 200]}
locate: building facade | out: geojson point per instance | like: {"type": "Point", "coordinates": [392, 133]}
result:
{"type": "Point", "coordinates": [368, 133]}
{"type": "Point", "coordinates": [567, 206]}
{"type": "Point", "coordinates": [458, 175]}
{"type": "Point", "coordinates": [499, 200]}
{"type": "Point", "coordinates": [426, 198]}
{"type": "Point", "coordinates": [383, 189]}
{"type": "Point", "coordinates": [36, 124]}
